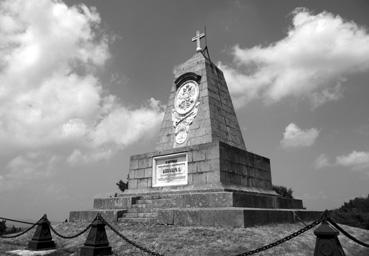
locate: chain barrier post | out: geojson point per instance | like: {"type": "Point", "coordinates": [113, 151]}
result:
{"type": "Point", "coordinates": [42, 239]}
{"type": "Point", "coordinates": [97, 241]}
{"type": "Point", "coordinates": [327, 243]}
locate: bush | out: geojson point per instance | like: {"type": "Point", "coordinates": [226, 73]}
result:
{"type": "Point", "coordinates": [354, 213]}
{"type": "Point", "coordinates": [122, 185]}
{"type": "Point", "coordinates": [2, 227]}
{"type": "Point", "coordinates": [283, 191]}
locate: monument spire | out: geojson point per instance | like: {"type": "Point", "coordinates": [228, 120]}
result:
{"type": "Point", "coordinates": [197, 39]}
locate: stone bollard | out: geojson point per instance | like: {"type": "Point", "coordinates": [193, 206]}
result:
{"type": "Point", "coordinates": [327, 243]}
{"type": "Point", "coordinates": [97, 242]}
{"type": "Point", "coordinates": [42, 239]}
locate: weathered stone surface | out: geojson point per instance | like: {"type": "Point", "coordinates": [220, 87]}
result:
{"type": "Point", "coordinates": [242, 168]}
{"type": "Point", "coordinates": [197, 200]}
{"type": "Point", "coordinates": [89, 215]}
{"type": "Point", "coordinates": [211, 164]}
{"type": "Point", "coordinates": [216, 119]}
{"type": "Point", "coordinates": [152, 206]}
{"type": "Point", "coordinates": [231, 217]}
{"type": "Point", "coordinates": [112, 203]}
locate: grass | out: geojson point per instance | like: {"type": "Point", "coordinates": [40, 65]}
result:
{"type": "Point", "coordinates": [173, 240]}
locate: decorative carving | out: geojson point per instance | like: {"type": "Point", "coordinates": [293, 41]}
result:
{"type": "Point", "coordinates": [185, 109]}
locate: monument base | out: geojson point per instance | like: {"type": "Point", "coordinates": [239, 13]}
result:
{"type": "Point", "coordinates": [207, 166]}
{"type": "Point", "coordinates": [232, 216]}
{"type": "Point", "coordinates": [110, 214]}
{"type": "Point", "coordinates": [206, 184]}
{"type": "Point", "coordinates": [202, 208]}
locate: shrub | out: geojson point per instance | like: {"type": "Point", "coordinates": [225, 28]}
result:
{"type": "Point", "coordinates": [283, 191]}
{"type": "Point", "coordinates": [354, 213]}
{"type": "Point", "coordinates": [2, 227]}
{"type": "Point", "coordinates": [122, 185]}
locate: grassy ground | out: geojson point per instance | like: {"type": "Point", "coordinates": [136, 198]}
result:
{"type": "Point", "coordinates": [172, 240]}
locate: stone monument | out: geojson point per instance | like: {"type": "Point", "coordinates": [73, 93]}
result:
{"type": "Point", "coordinates": [200, 172]}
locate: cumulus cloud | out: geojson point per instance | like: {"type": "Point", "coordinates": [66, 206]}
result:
{"type": "Point", "coordinates": [311, 62]}
{"type": "Point", "coordinates": [50, 94]}
{"type": "Point", "coordinates": [294, 137]}
{"type": "Point", "coordinates": [322, 162]}
{"type": "Point", "coordinates": [27, 167]}
{"type": "Point", "coordinates": [356, 160]}
{"type": "Point", "coordinates": [54, 111]}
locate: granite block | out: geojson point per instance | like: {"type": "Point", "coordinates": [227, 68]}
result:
{"type": "Point", "coordinates": [148, 172]}
{"type": "Point", "coordinates": [198, 155]}
{"type": "Point", "coordinates": [89, 215]}
{"type": "Point", "coordinates": [139, 173]}
{"type": "Point", "coordinates": [132, 184]}
{"type": "Point", "coordinates": [142, 183]}
{"type": "Point", "coordinates": [112, 203]}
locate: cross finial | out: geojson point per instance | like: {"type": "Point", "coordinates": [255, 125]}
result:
{"type": "Point", "coordinates": [197, 38]}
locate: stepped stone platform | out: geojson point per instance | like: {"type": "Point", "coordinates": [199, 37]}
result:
{"type": "Point", "coordinates": [198, 208]}
{"type": "Point", "coordinates": [89, 215]}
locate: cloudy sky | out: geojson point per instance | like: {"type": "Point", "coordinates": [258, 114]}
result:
{"type": "Point", "coordinates": [83, 85]}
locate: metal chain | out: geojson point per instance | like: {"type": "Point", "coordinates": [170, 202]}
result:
{"type": "Point", "coordinates": [22, 233]}
{"type": "Point", "coordinates": [347, 234]}
{"type": "Point", "coordinates": [129, 241]}
{"type": "Point", "coordinates": [19, 221]}
{"type": "Point", "coordinates": [283, 240]}
{"type": "Point", "coordinates": [69, 237]}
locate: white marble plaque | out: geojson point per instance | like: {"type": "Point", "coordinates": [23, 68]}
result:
{"type": "Point", "coordinates": [170, 170]}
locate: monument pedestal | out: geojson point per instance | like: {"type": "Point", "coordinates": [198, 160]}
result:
{"type": "Point", "coordinates": [226, 186]}
{"type": "Point", "coordinates": [201, 172]}
{"type": "Point", "coordinates": [209, 166]}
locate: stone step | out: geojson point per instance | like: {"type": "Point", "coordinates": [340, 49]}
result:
{"type": "Point", "coordinates": [138, 220]}
{"type": "Point", "coordinates": [156, 196]}
{"type": "Point", "coordinates": [141, 209]}
{"type": "Point", "coordinates": [145, 201]}
{"type": "Point", "coordinates": [156, 203]}
{"type": "Point", "coordinates": [140, 215]}
{"type": "Point", "coordinates": [219, 199]}
{"type": "Point", "coordinates": [89, 215]}
{"type": "Point", "coordinates": [120, 202]}
{"type": "Point", "coordinates": [233, 216]}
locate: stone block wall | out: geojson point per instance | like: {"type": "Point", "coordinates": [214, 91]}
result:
{"type": "Point", "coordinates": [245, 169]}
{"type": "Point", "coordinates": [224, 123]}
{"type": "Point", "coordinates": [210, 165]}
{"type": "Point", "coordinates": [216, 119]}
{"type": "Point", "coordinates": [200, 129]}
{"type": "Point", "coordinates": [113, 203]}
{"type": "Point", "coordinates": [203, 168]}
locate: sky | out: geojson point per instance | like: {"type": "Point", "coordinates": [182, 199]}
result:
{"type": "Point", "coordinates": [83, 86]}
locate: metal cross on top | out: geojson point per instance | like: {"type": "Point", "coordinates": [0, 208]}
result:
{"type": "Point", "coordinates": [197, 38]}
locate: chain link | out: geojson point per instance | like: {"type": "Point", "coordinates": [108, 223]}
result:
{"type": "Point", "coordinates": [21, 233]}
{"type": "Point", "coordinates": [324, 216]}
{"type": "Point", "coordinates": [19, 221]}
{"type": "Point", "coordinates": [130, 241]}
{"type": "Point", "coordinates": [69, 237]}
{"type": "Point", "coordinates": [346, 233]}
{"type": "Point", "coordinates": [283, 240]}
